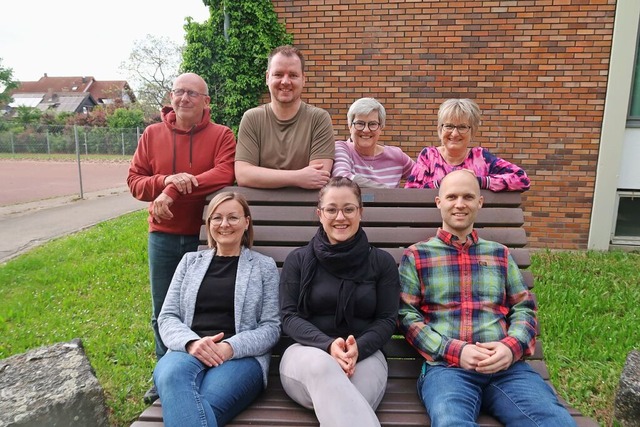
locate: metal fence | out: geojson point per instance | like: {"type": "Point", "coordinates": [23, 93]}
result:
{"type": "Point", "coordinates": [70, 140]}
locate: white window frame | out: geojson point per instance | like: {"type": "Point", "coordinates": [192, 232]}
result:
{"type": "Point", "coordinates": [623, 240]}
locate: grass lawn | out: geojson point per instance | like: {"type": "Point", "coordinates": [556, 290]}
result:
{"type": "Point", "coordinates": [93, 285]}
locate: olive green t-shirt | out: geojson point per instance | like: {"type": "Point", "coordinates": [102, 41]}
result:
{"type": "Point", "coordinates": [266, 141]}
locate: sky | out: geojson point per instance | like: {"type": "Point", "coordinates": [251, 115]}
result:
{"type": "Point", "coordinates": [85, 37]}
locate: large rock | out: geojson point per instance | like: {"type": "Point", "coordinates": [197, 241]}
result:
{"type": "Point", "coordinates": [51, 386]}
{"type": "Point", "coordinates": [627, 405]}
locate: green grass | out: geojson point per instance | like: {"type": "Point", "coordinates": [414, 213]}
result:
{"type": "Point", "coordinates": [93, 285]}
{"type": "Point", "coordinates": [65, 157]}
{"type": "Point", "coordinates": [589, 310]}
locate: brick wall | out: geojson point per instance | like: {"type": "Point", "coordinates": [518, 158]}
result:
{"type": "Point", "coordinates": [538, 69]}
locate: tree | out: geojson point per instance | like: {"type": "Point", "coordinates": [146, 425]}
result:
{"type": "Point", "coordinates": [125, 118]}
{"type": "Point", "coordinates": [232, 56]}
{"type": "Point", "coordinates": [27, 115]}
{"type": "Point", "coordinates": [153, 65]}
{"type": "Point", "coordinates": [7, 84]}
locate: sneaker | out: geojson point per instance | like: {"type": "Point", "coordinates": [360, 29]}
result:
{"type": "Point", "coordinates": [151, 395]}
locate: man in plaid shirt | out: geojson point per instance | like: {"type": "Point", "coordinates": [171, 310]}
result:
{"type": "Point", "coordinates": [466, 309]}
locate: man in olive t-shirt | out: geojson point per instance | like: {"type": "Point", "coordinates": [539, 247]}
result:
{"type": "Point", "coordinates": [286, 143]}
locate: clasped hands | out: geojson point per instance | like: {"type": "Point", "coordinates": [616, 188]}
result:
{"type": "Point", "coordinates": [486, 358]}
{"type": "Point", "coordinates": [211, 351]}
{"type": "Point", "coordinates": [184, 183]}
{"type": "Point", "coordinates": [313, 177]}
{"type": "Point", "coordinates": [345, 352]}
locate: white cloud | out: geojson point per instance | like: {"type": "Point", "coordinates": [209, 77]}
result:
{"type": "Point", "coordinates": [90, 38]}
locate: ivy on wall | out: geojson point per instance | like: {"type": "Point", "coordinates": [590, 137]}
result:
{"type": "Point", "coordinates": [232, 57]}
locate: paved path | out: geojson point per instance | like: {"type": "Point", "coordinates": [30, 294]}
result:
{"type": "Point", "coordinates": [39, 201]}
{"type": "Point", "coordinates": [27, 225]}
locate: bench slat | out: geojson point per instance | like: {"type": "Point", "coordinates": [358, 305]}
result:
{"type": "Point", "coordinates": [275, 235]}
{"type": "Point", "coordinates": [394, 216]}
{"type": "Point", "coordinates": [370, 197]}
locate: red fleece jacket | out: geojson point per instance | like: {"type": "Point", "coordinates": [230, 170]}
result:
{"type": "Point", "coordinates": [206, 151]}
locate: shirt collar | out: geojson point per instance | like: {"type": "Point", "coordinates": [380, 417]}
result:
{"type": "Point", "coordinates": [453, 240]}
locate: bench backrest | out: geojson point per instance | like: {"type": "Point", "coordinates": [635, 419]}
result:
{"type": "Point", "coordinates": [393, 219]}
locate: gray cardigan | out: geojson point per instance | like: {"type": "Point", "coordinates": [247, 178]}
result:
{"type": "Point", "coordinates": [257, 318]}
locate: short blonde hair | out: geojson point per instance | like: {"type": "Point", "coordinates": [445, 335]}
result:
{"type": "Point", "coordinates": [218, 199]}
{"type": "Point", "coordinates": [460, 109]}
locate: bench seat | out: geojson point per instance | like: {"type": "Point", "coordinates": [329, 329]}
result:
{"type": "Point", "coordinates": [393, 219]}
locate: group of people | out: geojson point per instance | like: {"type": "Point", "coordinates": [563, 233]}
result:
{"type": "Point", "coordinates": [460, 300]}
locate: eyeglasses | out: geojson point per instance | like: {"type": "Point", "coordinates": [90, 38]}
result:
{"type": "Point", "coordinates": [462, 129]}
{"type": "Point", "coordinates": [190, 93]}
{"type": "Point", "coordinates": [219, 219]}
{"type": "Point", "coordinates": [373, 126]}
{"type": "Point", "coordinates": [331, 212]}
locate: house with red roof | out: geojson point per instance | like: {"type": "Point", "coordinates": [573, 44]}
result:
{"type": "Point", "coordinates": [75, 94]}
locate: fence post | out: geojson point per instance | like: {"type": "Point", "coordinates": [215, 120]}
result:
{"type": "Point", "coordinates": [86, 150]}
{"type": "Point", "coordinates": [48, 143]}
{"type": "Point", "coordinates": [13, 148]}
{"type": "Point", "coordinates": [122, 139]}
{"type": "Point", "coordinates": [75, 131]}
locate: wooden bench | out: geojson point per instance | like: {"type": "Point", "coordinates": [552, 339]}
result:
{"type": "Point", "coordinates": [393, 219]}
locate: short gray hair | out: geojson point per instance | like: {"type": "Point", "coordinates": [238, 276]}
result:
{"type": "Point", "coordinates": [364, 106]}
{"type": "Point", "coordinates": [464, 109]}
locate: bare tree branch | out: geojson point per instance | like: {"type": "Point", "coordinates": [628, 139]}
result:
{"type": "Point", "coordinates": [153, 65]}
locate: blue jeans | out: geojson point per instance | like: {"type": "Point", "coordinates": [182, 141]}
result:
{"type": "Point", "coordinates": [194, 395]}
{"type": "Point", "coordinates": [165, 252]}
{"type": "Point", "coordinates": [517, 396]}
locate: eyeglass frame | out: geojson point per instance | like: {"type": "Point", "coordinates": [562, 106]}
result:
{"type": "Point", "coordinates": [466, 128]}
{"type": "Point", "coordinates": [231, 220]}
{"type": "Point", "coordinates": [359, 123]}
{"type": "Point", "coordinates": [338, 210]}
{"type": "Point", "coordinates": [190, 93]}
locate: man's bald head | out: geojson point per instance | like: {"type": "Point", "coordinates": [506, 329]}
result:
{"type": "Point", "coordinates": [465, 175]}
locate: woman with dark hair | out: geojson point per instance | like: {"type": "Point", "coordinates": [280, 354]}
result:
{"type": "Point", "coordinates": [339, 300]}
{"type": "Point", "coordinates": [219, 321]}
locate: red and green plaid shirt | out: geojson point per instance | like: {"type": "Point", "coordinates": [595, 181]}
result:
{"type": "Point", "coordinates": [453, 294]}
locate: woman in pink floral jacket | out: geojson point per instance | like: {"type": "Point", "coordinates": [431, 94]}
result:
{"type": "Point", "coordinates": [458, 121]}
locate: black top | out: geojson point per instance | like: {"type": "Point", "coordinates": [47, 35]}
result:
{"type": "Point", "coordinates": [214, 310]}
{"type": "Point", "coordinates": [368, 313]}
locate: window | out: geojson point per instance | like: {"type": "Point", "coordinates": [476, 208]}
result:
{"type": "Point", "coordinates": [634, 105]}
{"type": "Point", "coordinates": [627, 226]}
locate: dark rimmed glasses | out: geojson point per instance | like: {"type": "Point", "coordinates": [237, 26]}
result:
{"type": "Point", "coordinates": [462, 129]}
{"type": "Point", "coordinates": [359, 125]}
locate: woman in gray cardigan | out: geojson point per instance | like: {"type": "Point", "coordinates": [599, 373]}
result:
{"type": "Point", "coordinates": [219, 321]}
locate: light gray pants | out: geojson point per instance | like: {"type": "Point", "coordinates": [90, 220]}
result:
{"type": "Point", "coordinates": [314, 379]}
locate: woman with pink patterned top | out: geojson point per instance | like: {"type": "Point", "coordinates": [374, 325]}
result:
{"type": "Point", "coordinates": [458, 121]}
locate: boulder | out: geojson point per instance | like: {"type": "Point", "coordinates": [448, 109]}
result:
{"type": "Point", "coordinates": [627, 404]}
{"type": "Point", "coordinates": [51, 386]}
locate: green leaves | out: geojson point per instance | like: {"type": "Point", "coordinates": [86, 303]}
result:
{"type": "Point", "coordinates": [126, 118]}
{"type": "Point", "coordinates": [234, 69]}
